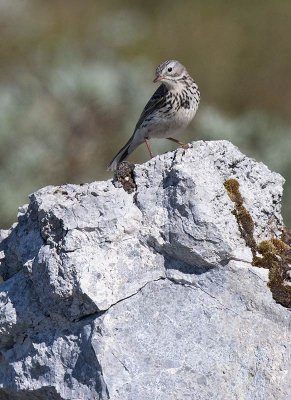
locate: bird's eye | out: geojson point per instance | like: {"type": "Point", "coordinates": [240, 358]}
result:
{"type": "Point", "coordinates": [170, 69]}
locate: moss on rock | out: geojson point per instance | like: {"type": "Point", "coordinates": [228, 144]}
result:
{"type": "Point", "coordinates": [273, 254]}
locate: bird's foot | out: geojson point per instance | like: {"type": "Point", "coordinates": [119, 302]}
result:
{"type": "Point", "coordinates": [181, 144]}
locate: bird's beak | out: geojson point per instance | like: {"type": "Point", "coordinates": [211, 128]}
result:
{"type": "Point", "coordinates": [157, 78]}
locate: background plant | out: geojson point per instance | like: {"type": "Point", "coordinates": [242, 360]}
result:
{"type": "Point", "coordinates": [75, 76]}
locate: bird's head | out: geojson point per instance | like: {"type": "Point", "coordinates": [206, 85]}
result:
{"type": "Point", "coordinates": [171, 73]}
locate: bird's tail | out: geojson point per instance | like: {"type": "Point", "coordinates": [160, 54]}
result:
{"type": "Point", "coordinates": [123, 153]}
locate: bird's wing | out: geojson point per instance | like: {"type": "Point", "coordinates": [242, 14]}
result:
{"type": "Point", "coordinates": [155, 102]}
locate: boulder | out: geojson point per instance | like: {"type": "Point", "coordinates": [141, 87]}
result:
{"type": "Point", "coordinates": [149, 291]}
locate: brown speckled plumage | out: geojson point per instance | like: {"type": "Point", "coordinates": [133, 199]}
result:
{"type": "Point", "coordinates": [169, 110]}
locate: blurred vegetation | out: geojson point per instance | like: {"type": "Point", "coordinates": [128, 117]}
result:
{"type": "Point", "coordinates": [74, 77]}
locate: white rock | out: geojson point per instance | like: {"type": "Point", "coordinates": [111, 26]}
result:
{"type": "Point", "coordinates": [149, 295]}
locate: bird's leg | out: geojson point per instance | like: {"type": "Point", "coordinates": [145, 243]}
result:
{"type": "Point", "coordinates": [181, 144]}
{"type": "Point", "coordinates": [147, 142]}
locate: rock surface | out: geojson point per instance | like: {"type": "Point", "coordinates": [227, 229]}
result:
{"type": "Point", "coordinates": [145, 295]}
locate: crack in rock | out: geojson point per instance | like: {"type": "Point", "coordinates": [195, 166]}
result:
{"type": "Point", "coordinates": [142, 287]}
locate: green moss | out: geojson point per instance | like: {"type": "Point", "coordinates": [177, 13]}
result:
{"type": "Point", "coordinates": [280, 246]}
{"type": "Point", "coordinates": [232, 187]}
{"type": "Point", "coordinates": [274, 254]}
{"type": "Point", "coordinates": [276, 257]}
{"type": "Point", "coordinates": [266, 247]}
{"type": "Point", "coordinates": [268, 255]}
{"type": "Point", "coordinates": [243, 217]}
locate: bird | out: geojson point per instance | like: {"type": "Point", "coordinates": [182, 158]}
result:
{"type": "Point", "coordinates": [168, 112]}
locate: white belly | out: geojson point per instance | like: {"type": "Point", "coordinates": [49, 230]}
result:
{"type": "Point", "coordinates": [163, 127]}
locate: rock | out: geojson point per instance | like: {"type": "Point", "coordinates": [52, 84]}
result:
{"type": "Point", "coordinates": [148, 293]}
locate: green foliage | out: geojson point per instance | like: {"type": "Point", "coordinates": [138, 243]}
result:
{"type": "Point", "coordinates": [75, 77]}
